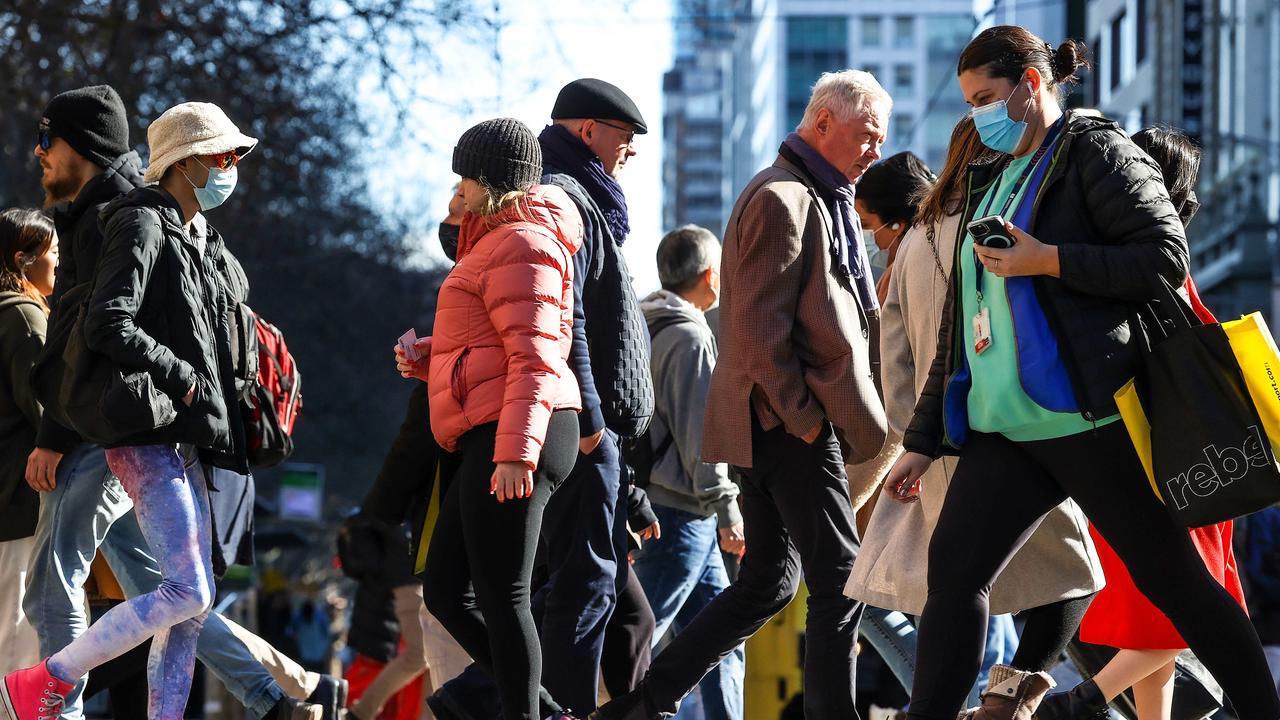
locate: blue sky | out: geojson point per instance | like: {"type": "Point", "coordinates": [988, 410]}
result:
{"type": "Point", "coordinates": [542, 46]}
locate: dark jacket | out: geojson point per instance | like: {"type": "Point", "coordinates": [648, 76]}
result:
{"type": "Point", "coordinates": [22, 331]}
{"type": "Point", "coordinates": [79, 245]}
{"type": "Point", "coordinates": [610, 354]}
{"type": "Point", "coordinates": [160, 305]}
{"type": "Point", "coordinates": [1104, 205]}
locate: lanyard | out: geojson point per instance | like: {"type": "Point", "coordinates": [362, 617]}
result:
{"type": "Point", "coordinates": [1027, 172]}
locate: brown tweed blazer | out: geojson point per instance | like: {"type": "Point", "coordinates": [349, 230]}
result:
{"type": "Point", "coordinates": [795, 344]}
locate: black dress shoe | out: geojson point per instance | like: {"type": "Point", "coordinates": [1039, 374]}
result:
{"type": "Point", "coordinates": [1082, 702]}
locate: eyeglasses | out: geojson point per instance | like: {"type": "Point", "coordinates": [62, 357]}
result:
{"type": "Point", "coordinates": [44, 138]}
{"type": "Point", "coordinates": [630, 135]}
{"type": "Point", "coordinates": [224, 161]}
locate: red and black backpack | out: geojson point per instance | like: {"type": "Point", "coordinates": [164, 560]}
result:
{"type": "Point", "coordinates": [272, 404]}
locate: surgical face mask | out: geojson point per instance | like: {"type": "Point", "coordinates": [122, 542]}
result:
{"type": "Point", "coordinates": [449, 240]}
{"type": "Point", "coordinates": [217, 188]}
{"type": "Point", "coordinates": [997, 130]}
{"type": "Point", "coordinates": [878, 257]}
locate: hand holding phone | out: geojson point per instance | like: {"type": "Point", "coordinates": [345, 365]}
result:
{"type": "Point", "coordinates": [990, 231]}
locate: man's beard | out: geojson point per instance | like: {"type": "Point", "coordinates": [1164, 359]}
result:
{"type": "Point", "coordinates": [58, 190]}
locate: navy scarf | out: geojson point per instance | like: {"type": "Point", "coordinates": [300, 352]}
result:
{"type": "Point", "coordinates": [847, 248]}
{"type": "Point", "coordinates": [564, 153]}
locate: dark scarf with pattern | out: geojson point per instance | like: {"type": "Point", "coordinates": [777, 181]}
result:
{"type": "Point", "coordinates": [847, 249]}
{"type": "Point", "coordinates": [564, 153]}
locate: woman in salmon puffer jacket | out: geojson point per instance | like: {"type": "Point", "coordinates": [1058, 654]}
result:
{"type": "Point", "coordinates": [503, 398]}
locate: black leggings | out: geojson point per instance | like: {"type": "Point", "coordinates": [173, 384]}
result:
{"type": "Point", "coordinates": [999, 491]}
{"type": "Point", "coordinates": [1048, 631]}
{"type": "Point", "coordinates": [481, 560]}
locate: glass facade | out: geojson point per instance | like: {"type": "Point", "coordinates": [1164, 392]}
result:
{"type": "Point", "coordinates": [945, 37]}
{"type": "Point", "coordinates": [904, 31]}
{"type": "Point", "coordinates": [815, 44]}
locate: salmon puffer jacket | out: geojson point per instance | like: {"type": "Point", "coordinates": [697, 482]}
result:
{"type": "Point", "coordinates": [504, 324]}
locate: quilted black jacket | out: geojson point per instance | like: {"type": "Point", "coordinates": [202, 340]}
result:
{"type": "Point", "coordinates": [618, 338]}
{"type": "Point", "coordinates": [1105, 206]}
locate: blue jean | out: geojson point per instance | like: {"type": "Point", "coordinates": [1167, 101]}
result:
{"type": "Point", "coordinates": [1002, 643]}
{"type": "Point", "coordinates": [89, 509]}
{"type": "Point", "coordinates": [681, 572]}
{"type": "Point", "coordinates": [893, 636]}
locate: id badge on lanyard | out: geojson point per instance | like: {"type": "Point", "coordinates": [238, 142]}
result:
{"type": "Point", "coordinates": [982, 337]}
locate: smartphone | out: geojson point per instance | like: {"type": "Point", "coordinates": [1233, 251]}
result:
{"type": "Point", "coordinates": [406, 342]}
{"type": "Point", "coordinates": [990, 232]}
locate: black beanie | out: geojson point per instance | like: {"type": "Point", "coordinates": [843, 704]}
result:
{"type": "Point", "coordinates": [92, 120]}
{"type": "Point", "coordinates": [589, 98]}
{"type": "Point", "coordinates": [501, 153]}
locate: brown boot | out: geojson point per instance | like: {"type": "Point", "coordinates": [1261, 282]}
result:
{"type": "Point", "coordinates": [1011, 695]}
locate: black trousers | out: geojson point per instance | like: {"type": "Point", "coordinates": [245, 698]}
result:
{"type": "Point", "coordinates": [481, 559]}
{"type": "Point", "coordinates": [797, 518]}
{"type": "Point", "coordinates": [628, 640]}
{"type": "Point", "coordinates": [1048, 631]}
{"type": "Point", "coordinates": [999, 491]}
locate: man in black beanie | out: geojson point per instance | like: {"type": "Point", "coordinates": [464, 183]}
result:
{"type": "Point", "coordinates": [82, 143]}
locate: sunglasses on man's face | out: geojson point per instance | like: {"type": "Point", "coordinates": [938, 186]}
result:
{"type": "Point", "coordinates": [44, 138]}
{"type": "Point", "coordinates": [223, 161]}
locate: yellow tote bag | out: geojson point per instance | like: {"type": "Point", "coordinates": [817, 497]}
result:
{"type": "Point", "coordinates": [1259, 361]}
{"type": "Point", "coordinates": [1139, 427]}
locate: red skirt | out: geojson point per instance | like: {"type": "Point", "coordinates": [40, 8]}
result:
{"type": "Point", "coordinates": [1122, 617]}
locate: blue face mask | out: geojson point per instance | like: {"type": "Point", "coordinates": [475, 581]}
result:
{"type": "Point", "coordinates": [217, 188]}
{"type": "Point", "coordinates": [997, 130]}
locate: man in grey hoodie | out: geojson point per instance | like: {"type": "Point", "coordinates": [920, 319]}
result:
{"type": "Point", "coordinates": [696, 503]}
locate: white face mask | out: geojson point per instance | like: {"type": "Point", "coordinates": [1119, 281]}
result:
{"type": "Point", "coordinates": [876, 255]}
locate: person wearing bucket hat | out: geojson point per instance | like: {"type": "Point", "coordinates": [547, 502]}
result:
{"type": "Point", "coordinates": [501, 395]}
{"type": "Point", "coordinates": [158, 312]}
{"type": "Point", "coordinates": [86, 159]}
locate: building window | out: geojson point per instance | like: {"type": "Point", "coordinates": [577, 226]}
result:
{"type": "Point", "coordinates": [1115, 50]}
{"type": "Point", "coordinates": [815, 44]}
{"type": "Point", "coordinates": [904, 31]}
{"type": "Point", "coordinates": [1095, 77]}
{"type": "Point", "coordinates": [1140, 31]}
{"type": "Point", "coordinates": [904, 78]}
{"type": "Point", "coordinates": [900, 135]}
{"type": "Point", "coordinates": [870, 31]}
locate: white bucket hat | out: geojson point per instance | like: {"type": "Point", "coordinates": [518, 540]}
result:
{"type": "Point", "coordinates": [192, 128]}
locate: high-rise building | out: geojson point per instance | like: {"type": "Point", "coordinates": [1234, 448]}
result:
{"type": "Point", "coordinates": [1211, 69]}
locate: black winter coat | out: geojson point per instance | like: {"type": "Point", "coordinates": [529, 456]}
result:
{"type": "Point", "coordinates": [160, 305]}
{"type": "Point", "coordinates": [611, 358]}
{"type": "Point", "coordinates": [22, 332]}
{"type": "Point", "coordinates": [79, 245]}
{"type": "Point", "coordinates": [1104, 204]}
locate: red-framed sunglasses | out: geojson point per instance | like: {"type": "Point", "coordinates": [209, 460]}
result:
{"type": "Point", "coordinates": [224, 161]}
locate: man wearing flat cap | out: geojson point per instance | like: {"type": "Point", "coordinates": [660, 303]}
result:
{"type": "Point", "coordinates": [594, 125]}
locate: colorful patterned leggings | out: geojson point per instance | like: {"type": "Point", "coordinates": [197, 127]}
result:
{"type": "Point", "coordinates": [172, 505]}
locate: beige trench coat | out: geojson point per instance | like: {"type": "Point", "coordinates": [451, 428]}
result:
{"type": "Point", "coordinates": [1058, 562]}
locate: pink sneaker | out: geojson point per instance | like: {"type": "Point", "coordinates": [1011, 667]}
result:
{"type": "Point", "coordinates": [34, 693]}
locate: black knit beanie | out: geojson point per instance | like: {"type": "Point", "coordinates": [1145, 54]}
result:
{"type": "Point", "coordinates": [501, 153]}
{"type": "Point", "coordinates": [92, 120]}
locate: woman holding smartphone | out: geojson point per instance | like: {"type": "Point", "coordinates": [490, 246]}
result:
{"type": "Point", "coordinates": [1035, 339]}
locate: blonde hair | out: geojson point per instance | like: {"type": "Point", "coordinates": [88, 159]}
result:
{"type": "Point", "coordinates": [497, 201]}
{"type": "Point", "coordinates": [846, 94]}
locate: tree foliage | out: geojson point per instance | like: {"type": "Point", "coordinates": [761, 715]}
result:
{"type": "Point", "coordinates": [325, 265]}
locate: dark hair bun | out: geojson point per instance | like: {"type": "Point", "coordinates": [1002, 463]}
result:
{"type": "Point", "coordinates": [1070, 56]}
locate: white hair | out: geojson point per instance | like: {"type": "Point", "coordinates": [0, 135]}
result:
{"type": "Point", "coordinates": [846, 94]}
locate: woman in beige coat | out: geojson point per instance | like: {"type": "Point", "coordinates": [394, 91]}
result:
{"type": "Point", "coordinates": [1057, 572]}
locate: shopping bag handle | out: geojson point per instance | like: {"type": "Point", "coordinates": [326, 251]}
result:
{"type": "Point", "coordinates": [1171, 311]}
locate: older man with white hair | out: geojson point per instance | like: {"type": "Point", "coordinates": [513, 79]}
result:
{"type": "Point", "coordinates": [792, 399]}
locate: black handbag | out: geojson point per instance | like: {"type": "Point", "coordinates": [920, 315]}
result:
{"type": "Point", "coordinates": [1211, 457]}
{"type": "Point", "coordinates": [102, 402]}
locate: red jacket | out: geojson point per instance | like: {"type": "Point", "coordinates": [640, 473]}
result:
{"type": "Point", "coordinates": [504, 322]}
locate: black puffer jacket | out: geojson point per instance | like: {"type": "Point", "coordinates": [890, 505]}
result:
{"type": "Point", "coordinates": [22, 332]}
{"type": "Point", "coordinates": [79, 245]}
{"type": "Point", "coordinates": [159, 305]}
{"type": "Point", "coordinates": [1104, 204]}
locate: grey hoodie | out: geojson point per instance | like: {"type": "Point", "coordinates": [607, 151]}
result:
{"type": "Point", "coordinates": [683, 358]}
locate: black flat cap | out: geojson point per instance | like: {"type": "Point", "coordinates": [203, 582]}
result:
{"type": "Point", "coordinates": [590, 98]}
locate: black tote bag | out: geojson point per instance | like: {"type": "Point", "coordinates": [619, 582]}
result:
{"type": "Point", "coordinates": [1211, 457]}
